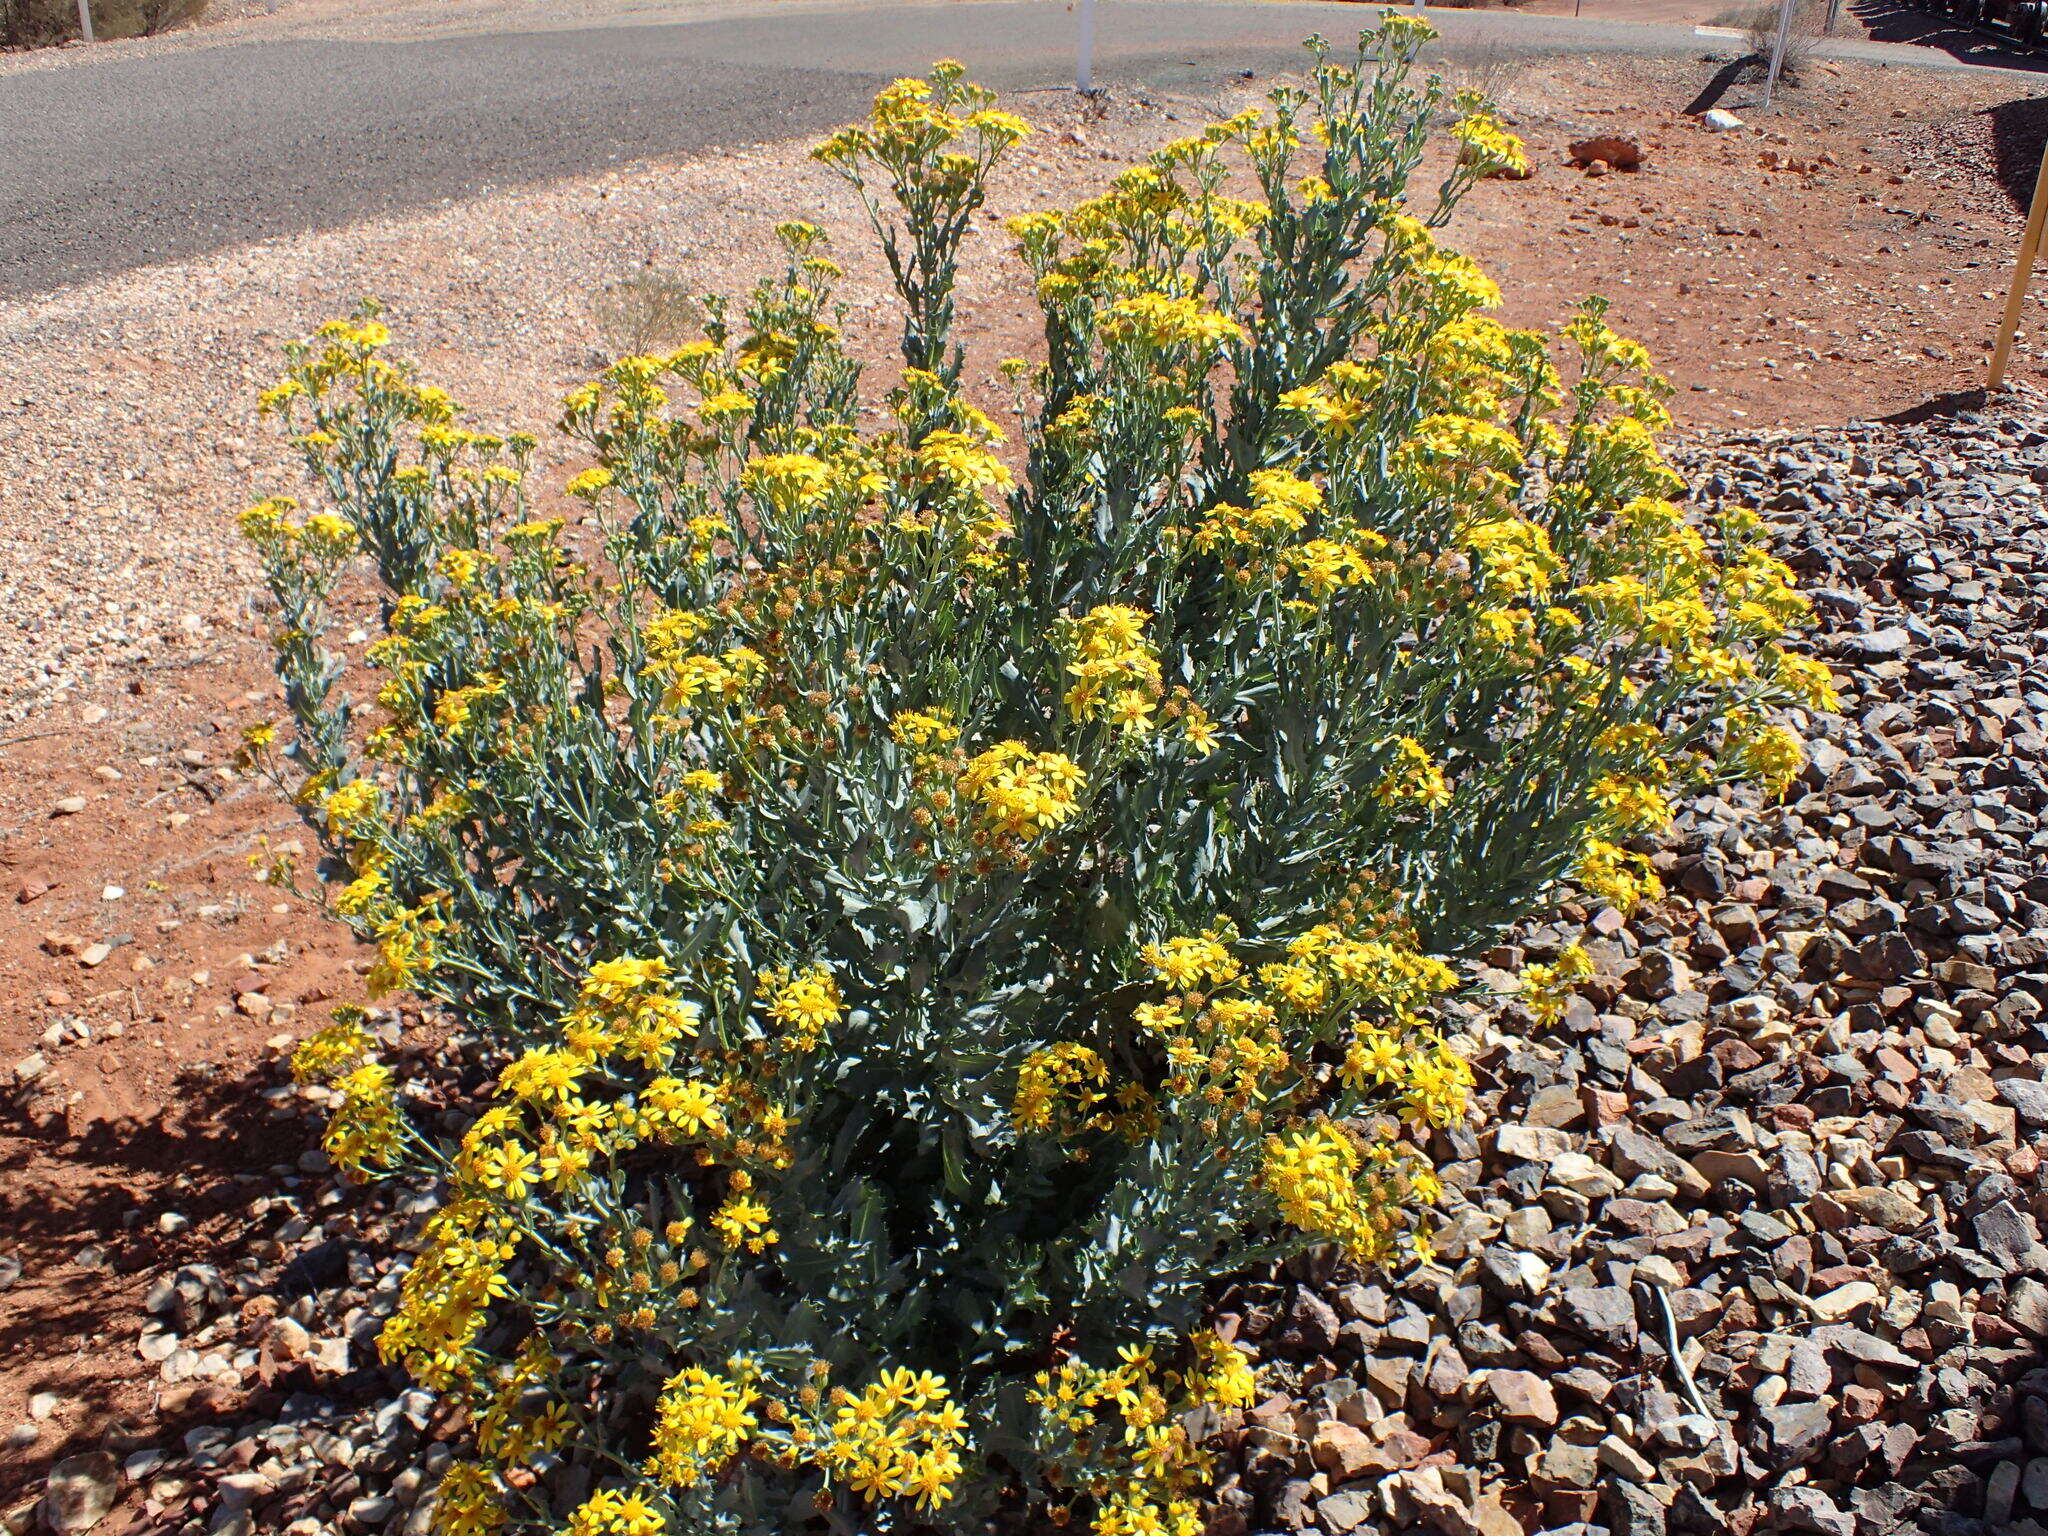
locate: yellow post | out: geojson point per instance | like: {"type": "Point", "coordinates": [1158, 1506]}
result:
{"type": "Point", "coordinates": [2023, 268]}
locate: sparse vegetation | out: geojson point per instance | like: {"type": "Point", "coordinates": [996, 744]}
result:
{"type": "Point", "coordinates": [47, 23]}
{"type": "Point", "coordinates": [1759, 25]}
{"type": "Point", "coordinates": [650, 309]}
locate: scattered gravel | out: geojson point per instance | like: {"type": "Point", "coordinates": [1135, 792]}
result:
{"type": "Point", "coordinates": [274, 1413]}
{"type": "Point", "coordinates": [1752, 1239]}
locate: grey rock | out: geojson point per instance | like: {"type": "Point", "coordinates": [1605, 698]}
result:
{"type": "Point", "coordinates": [1606, 1313]}
{"type": "Point", "coordinates": [1632, 1509]}
{"type": "Point", "coordinates": [2008, 1236]}
{"type": "Point", "coordinates": [1794, 1432]}
{"type": "Point", "coordinates": [2029, 1098]}
{"type": "Point", "coordinates": [1806, 1508]}
{"type": "Point", "coordinates": [80, 1492]}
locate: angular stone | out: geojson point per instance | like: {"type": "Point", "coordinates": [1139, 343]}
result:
{"type": "Point", "coordinates": [1577, 1172]}
{"type": "Point", "coordinates": [1531, 1143]}
{"type": "Point", "coordinates": [1312, 1323]}
{"type": "Point", "coordinates": [1716, 1166]}
{"type": "Point", "coordinates": [1345, 1510]}
{"type": "Point", "coordinates": [1795, 1431]}
{"type": "Point", "coordinates": [1633, 1509]}
{"type": "Point", "coordinates": [2026, 1308]}
{"type": "Point", "coordinates": [1624, 1460]}
{"type": "Point", "coordinates": [1344, 1452]}
{"type": "Point", "coordinates": [1603, 1312]}
{"type": "Point", "coordinates": [1294, 1504]}
{"type": "Point", "coordinates": [1557, 1106]}
{"type": "Point", "coordinates": [1633, 1153]}
{"type": "Point", "coordinates": [2009, 1238]}
{"type": "Point", "coordinates": [1806, 1508]}
{"type": "Point", "coordinates": [1880, 1207]}
{"type": "Point", "coordinates": [1843, 1301]}
{"type": "Point", "coordinates": [1564, 1464]}
{"type": "Point", "coordinates": [1524, 1397]}
{"type": "Point", "coordinates": [2028, 1096]}
{"type": "Point", "coordinates": [1513, 1273]}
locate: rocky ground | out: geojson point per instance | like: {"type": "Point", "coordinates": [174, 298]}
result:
{"type": "Point", "coordinates": [1752, 1239]}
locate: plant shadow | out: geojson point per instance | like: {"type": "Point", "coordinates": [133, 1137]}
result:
{"type": "Point", "coordinates": [83, 1214]}
{"type": "Point", "coordinates": [1887, 21]}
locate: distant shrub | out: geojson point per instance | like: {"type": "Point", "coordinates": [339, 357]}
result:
{"type": "Point", "coordinates": [935, 919]}
{"type": "Point", "coordinates": [1759, 26]}
{"type": "Point", "coordinates": [149, 17]}
{"type": "Point", "coordinates": [37, 23]}
{"type": "Point", "coordinates": [46, 23]}
{"type": "Point", "coordinates": [648, 310]}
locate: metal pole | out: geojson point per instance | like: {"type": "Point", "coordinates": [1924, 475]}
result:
{"type": "Point", "coordinates": [1778, 49]}
{"type": "Point", "coordinates": [85, 19]}
{"type": "Point", "coordinates": [2023, 268]}
{"type": "Point", "coordinates": [1084, 72]}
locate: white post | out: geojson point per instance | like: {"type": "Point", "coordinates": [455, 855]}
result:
{"type": "Point", "coordinates": [85, 18]}
{"type": "Point", "coordinates": [1084, 70]}
{"type": "Point", "coordinates": [1778, 49]}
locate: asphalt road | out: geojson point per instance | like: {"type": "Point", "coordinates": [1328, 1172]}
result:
{"type": "Point", "coordinates": [115, 158]}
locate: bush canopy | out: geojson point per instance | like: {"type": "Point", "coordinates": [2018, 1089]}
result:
{"type": "Point", "coordinates": [935, 910]}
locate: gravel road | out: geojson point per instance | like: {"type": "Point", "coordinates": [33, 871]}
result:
{"type": "Point", "coordinates": [123, 156]}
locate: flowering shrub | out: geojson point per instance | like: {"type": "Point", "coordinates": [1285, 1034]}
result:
{"type": "Point", "coordinates": [934, 920]}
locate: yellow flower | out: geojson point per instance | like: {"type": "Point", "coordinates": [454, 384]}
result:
{"type": "Point", "coordinates": [1115, 671]}
{"type": "Point", "coordinates": [1058, 1088]}
{"type": "Point", "coordinates": [924, 728]}
{"type": "Point", "coordinates": [1484, 142]}
{"type": "Point", "coordinates": [806, 1006]}
{"type": "Point", "coordinates": [1312, 1175]}
{"type": "Point", "coordinates": [353, 807]}
{"type": "Point", "coordinates": [688, 1106]}
{"type": "Point", "coordinates": [1545, 987]}
{"type": "Point", "coordinates": [701, 1422]}
{"type": "Point", "coordinates": [1414, 778]}
{"type": "Point", "coordinates": [743, 1223]}
{"type": "Point", "coordinates": [505, 1166]}
{"type": "Point", "coordinates": [1807, 680]}
{"type": "Point", "coordinates": [1617, 876]}
{"type": "Point", "coordinates": [1773, 755]}
{"type": "Point", "coordinates": [788, 480]}
{"type": "Point", "coordinates": [1186, 963]}
{"type": "Point", "coordinates": [1163, 320]}
{"type": "Point", "coordinates": [900, 1437]}
{"type": "Point", "coordinates": [1632, 804]}
{"type": "Point", "coordinates": [1022, 794]}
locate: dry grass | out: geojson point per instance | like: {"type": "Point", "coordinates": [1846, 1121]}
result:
{"type": "Point", "coordinates": [649, 309]}
{"type": "Point", "coordinates": [1759, 26]}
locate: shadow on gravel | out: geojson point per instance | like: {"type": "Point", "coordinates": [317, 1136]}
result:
{"type": "Point", "coordinates": [1726, 78]}
{"type": "Point", "coordinates": [1889, 22]}
{"type": "Point", "coordinates": [2018, 130]}
{"type": "Point", "coordinates": [1957, 402]}
{"type": "Point", "coordinates": [1982, 1486]}
{"type": "Point", "coordinates": [81, 1214]}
